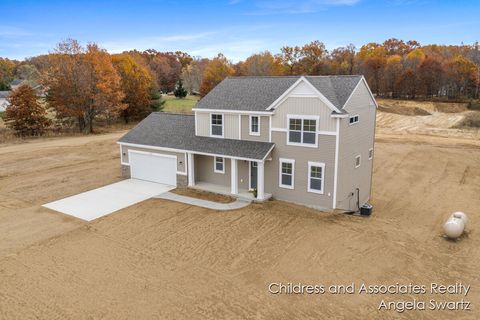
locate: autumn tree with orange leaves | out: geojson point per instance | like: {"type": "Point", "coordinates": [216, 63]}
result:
{"type": "Point", "coordinates": [24, 114]}
{"type": "Point", "coordinates": [260, 64]}
{"type": "Point", "coordinates": [137, 85]}
{"type": "Point", "coordinates": [83, 84]}
{"type": "Point", "coordinates": [216, 70]}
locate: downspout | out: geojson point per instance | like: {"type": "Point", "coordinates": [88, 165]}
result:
{"type": "Point", "coordinates": [335, 178]}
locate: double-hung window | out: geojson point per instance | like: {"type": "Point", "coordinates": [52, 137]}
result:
{"type": "Point", "coordinates": [302, 131]}
{"type": "Point", "coordinates": [216, 125]}
{"type": "Point", "coordinates": [254, 125]}
{"type": "Point", "coordinates": [286, 173]}
{"type": "Point", "coordinates": [219, 165]}
{"type": "Point", "coordinates": [316, 177]}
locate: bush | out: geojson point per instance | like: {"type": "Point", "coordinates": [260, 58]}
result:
{"type": "Point", "coordinates": [157, 103]}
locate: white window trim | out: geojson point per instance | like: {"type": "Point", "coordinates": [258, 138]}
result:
{"type": "Point", "coordinates": [302, 117]}
{"type": "Point", "coordinates": [358, 120]}
{"type": "Point", "coordinates": [370, 154]}
{"type": "Point", "coordinates": [223, 125]}
{"type": "Point", "coordinates": [316, 164]}
{"type": "Point", "coordinates": [215, 165]}
{"type": "Point", "coordinates": [250, 125]}
{"type": "Point", "coordinates": [359, 162]}
{"type": "Point", "coordinates": [280, 161]}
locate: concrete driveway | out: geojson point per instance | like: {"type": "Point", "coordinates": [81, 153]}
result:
{"type": "Point", "coordinates": [96, 203]}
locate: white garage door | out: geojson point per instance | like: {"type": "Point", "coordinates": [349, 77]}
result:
{"type": "Point", "coordinates": [154, 167]}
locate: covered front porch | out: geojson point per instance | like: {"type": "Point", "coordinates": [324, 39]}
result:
{"type": "Point", "coordinates": [242, 194]}
{"type": "Point", "coordinates": [227, 175]}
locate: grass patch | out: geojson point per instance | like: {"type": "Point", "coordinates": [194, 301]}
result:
{"type": "Point", "coordinates": [471, 120]}
{"type": "Point", "coordinates": [176, 105]}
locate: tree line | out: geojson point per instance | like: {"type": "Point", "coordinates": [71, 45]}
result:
{"type": "Point", "coordinates": [85, 86]}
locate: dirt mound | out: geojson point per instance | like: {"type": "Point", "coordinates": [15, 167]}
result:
{"type": "Point", "coordinates": [429, 106]}
{"type": "Point", "coordinates": [409, 111]}
{"type": "Point", "coordinates": [471, 120]}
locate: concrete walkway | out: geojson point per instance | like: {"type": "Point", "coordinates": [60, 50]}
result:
{"type": "Point", "coordinates": [204, 203]}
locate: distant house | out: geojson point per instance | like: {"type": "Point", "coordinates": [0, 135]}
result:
{"type": "Point", "coordinates": [3, 100]}
{"type": "Point", "coordinates": [17, 83]}
{"type": "Point", "coordinates": [307, 140]}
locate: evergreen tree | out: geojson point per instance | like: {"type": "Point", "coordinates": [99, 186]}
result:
{"type": "Point", "coordinates": [180, 91]}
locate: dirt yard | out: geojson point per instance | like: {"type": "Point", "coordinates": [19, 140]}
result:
{"type": "Point", "coordinates": [165, 260]}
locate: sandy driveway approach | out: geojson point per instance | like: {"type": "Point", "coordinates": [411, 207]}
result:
{"type": "Point", "coordinates": [165, 260]}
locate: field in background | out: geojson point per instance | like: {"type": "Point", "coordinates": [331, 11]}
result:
{"type": "Point", "coordinates": [176, 105]}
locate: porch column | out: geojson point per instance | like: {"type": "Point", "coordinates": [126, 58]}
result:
{"type": "Point", "coordinates": [190, 169]}
{"type": "Point", "coordinates": [260, 180]}
{"type": "Point", "coordinates": [234, 176]}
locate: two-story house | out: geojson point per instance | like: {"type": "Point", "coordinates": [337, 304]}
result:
{"type": "Point", "coordinates": [303, 139]}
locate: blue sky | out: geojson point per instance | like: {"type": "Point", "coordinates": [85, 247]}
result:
{"type": "Point", "coordinates": [236, 28]}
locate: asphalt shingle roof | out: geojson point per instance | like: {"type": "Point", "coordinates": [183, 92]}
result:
{"type": "Point", "coordinates": [177, 131]}
{"type": "Point", "coordinates": [258, 93]}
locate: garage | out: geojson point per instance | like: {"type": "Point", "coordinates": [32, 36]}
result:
{"type": "Point", "coordinates": [153, 167]}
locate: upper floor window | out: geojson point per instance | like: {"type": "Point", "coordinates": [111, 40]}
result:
{"type": "Point", "coordinates": [354, 119]}
{"type": "Point", "coordinates": [254, 125]}
{"type": "Point", "coordinates": [216, 125]}
{"type": "Point", "coordinates": [302, 131]}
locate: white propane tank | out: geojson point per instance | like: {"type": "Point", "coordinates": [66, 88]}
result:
{"type": "Point", "coordinates": [460, 215]}
{"type": "Point", "coordinates": [454, 227]}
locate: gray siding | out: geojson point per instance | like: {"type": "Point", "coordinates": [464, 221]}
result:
{"type": "Point", "coordinates": [202, 122]}
{"type": "Point", "coordinates": [356, 139]}
{"type": "Point", "coordinates": [204, 171]}
{"type": "Point", "coordinates": [325, 153]}
{"type": "Point", "coordinates": [264, 129]}
{"type": "Point", "coordinates": [303, 106]}
{"type": "Point", "coordinates": [230, 125]}
{"type": "Point", "coordinates": [231, 129]}
{"type": "Point", "coordinates": [181, 163]}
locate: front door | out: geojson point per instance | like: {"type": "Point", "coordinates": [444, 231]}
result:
{"type": "Point", "coordinates": [253, 175]}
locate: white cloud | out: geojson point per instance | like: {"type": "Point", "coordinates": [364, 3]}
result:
{"type": "Point", "coordinates": [148, 42]}
{"type": "Point", "coordinates": [270, 7]}
{"type": "Point", "coordinates": [234, 50]}
{"type": "Point", "coordinates": [10, 32]}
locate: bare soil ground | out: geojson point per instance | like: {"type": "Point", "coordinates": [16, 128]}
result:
{"type": "Point", "coordinates": [426, 118]}
{"type": "Point", "coordinates": [165, 260]}
{"type": "Point", "coordinates": [204, 195]}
